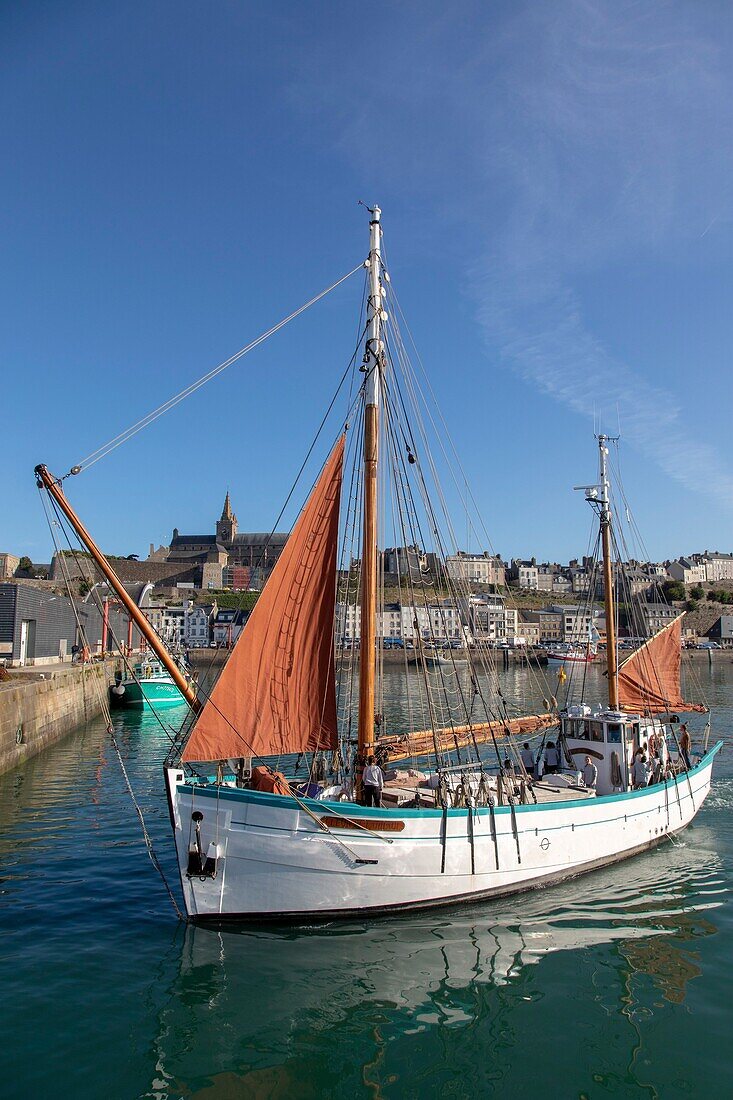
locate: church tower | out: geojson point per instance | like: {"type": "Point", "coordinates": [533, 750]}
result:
{"type": "Point", "coordinates": [226, 527]}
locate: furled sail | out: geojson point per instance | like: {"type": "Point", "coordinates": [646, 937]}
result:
{"type": "Point", "coordinates": [422, 742]}
{"type": "Point", "coordinates": [277, 692]}
{"type": "Point", "coordinates": [649, 680]}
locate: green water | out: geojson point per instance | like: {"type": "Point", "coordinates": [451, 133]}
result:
{"type": "Point", "coordinates": [616, 985]}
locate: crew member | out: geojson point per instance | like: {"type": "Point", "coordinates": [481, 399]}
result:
{"type": "Point", "coordinates": [590, 774]}
{"type": "Point", "coordinates": [372, 781]}
{"type": "Point", "coordinates": [552, 758]}
{"type": "Point", "coordinates": [527, 758]}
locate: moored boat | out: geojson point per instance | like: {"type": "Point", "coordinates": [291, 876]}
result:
{"type": "Point", "coordinates": [254, 840]}
{"type": "Point", "coordinates": [146, 684]}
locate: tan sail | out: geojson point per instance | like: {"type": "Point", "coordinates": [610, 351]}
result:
{"type": "Point", "coordinates": [649, 680]}
{"type": "Point", "coordinates": [277, 692]}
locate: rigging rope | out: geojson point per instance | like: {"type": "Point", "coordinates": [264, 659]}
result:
{"type": "Point", "coordinates": [146, 835]}
{"type": "Point", "coordinates": [123, 437]}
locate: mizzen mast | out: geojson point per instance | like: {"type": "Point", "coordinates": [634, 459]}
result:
{"type": "Point", "coordinates": [605, 514]}
{"type": "Point", "coordinates": [372, 367]}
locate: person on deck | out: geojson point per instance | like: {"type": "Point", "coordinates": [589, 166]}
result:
{"type": "Point", "coordinates": [590, 774]}
{"type": "Point", "coordinates": [372, 781]}
{"type": "Point", "coordinates": [641, 772]}
{"type": "Point", "coordinates": [527, 759]}
{"type": "Point", "coordinates": [685, 745]}
{"type": "Point", "coordinates": [552, 758]}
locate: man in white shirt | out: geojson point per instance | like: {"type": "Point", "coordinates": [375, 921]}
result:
{"type": "Point", "coordinates": [372, 782]}
{"type": "Point", "coordinates": [527, 758]}
{"type": "Point", "coordinates": [590, 774]}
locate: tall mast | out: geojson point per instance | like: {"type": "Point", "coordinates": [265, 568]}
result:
{"type": "Point", "coordinates": [184, 685]}
{"type": "Point", "coordinates": [605, 506]}
{"type": "Point", "coordinates": [372, 366]}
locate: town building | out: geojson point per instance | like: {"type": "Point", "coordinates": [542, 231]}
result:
{"type": "Point", "coordinates": [528, 628]}
{"type": "Point", "coordinates": [524, 574]}
{"type": "Point", "coordinates": [577, 620]}
{"type": "Point", "coordinates": [228, 624]}
{"type": "Point", "coordinates": [168, 622]}
{"type": "Point", "coordinates": [489, 619]}
{"type": "Point", "coordinates": [198, 620]}
{"type": "Point", "coordinates": [40, 627]}
{"type": "Point", "coordinates": [439, 622]}
{"type": "Point", "coordinates": [688, 571]}
{"type": "Point", "coordinates": [405, 561]}
{"type": "Point", "coordinates": [722, 631]}
{"type": "Point", "coordinates": [8, 566]}
{"type": "Point", "coordinates": [228, 547]}
{"type": "Point", "coordinates": [476, 568]}
{"type": "Point", "coordinates": [718, 567]}
{"type": "Point", "coordinates": [653, 616]}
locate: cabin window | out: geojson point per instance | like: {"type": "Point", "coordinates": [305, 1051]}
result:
{"type": "Point", "coordinates": [596, 731]}
{"type": "Point", "coordinates": [613, 733]}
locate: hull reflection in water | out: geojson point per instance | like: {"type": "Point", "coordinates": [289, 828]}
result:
{"type": "Point", "coordinates": [285, 989]}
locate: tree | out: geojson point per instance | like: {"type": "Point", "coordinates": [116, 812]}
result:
{"type": "Point", "coordinates": [697, 592]}
{"type": "Point", "coordinates": [25, 565]}
{"type": "Point", "coordinates": [691, 605]}
{"type": "Point", "coordinates": [674, 590]}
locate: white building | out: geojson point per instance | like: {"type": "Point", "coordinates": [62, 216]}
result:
{"type": "Point", "coordinates": [475, 568]}
{"type": "Point", "coordinates": [440, 622]}
{"type": "Point", "coordinates": [718, 567]}
{"type": "Point", "coordinates": [576, 621]}
{"type": "Point", "coordinates": [525, 573]}
{"type": "Point", "coordinates": [490, 620]}
{"type": "Point", "coordinates": [168, 622]}
{"type": "Point", "coordinates": [687, 571]}
{"type": "Point", "coordinates": [197, 623]}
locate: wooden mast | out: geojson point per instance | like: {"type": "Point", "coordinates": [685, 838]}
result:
{"type": "Point", "coordinates": [611, 650]}
{"type": "Point", "coordinates": [184, 685]}
{"type": "Point", "coordinates": [372, 366]}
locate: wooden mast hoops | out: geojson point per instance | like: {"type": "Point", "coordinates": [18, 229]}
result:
{"type": "Point", "coordinates": [184, 685]}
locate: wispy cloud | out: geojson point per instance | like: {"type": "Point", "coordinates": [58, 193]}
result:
{"type": "Point", "coordinates": [619, 144]}
{"type": "Point", "coordinates": [568, 139]}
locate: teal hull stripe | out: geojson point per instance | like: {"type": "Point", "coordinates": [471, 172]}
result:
{"type": "Point", "coordinates": [356, 812]}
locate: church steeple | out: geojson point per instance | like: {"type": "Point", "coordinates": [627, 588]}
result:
{"type": "Point", "coordinates": [226, 528]}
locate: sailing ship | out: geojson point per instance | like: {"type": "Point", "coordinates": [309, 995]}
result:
{"type": "Point", "coordinates": [255, 841]}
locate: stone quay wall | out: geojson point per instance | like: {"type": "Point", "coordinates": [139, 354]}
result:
{"type": "Point", "coordinates": [35, 713]}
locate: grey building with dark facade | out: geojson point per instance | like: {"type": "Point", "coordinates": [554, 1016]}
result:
{"type": "Point", "coordinates": [38, 626]}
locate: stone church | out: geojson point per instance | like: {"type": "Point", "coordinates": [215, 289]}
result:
{"type": "Point", "coordinates": [227, 550]}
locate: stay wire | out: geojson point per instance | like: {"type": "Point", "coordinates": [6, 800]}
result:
{"type": "Point", "coordinates": [145, 421]}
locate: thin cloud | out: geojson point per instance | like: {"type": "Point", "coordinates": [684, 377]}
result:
{"type": "Point", "coordinates": [564, 139]}
{"type": "Point", "coordinates": [619, 144]}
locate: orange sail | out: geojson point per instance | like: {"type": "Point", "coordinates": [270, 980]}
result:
{"type": "Point", "coordinates": [649, 680]}
{"type": "Point", "coordinates": [277, 692]}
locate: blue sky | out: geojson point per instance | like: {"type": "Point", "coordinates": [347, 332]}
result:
{"type": "Point", "coordinates": [556, 186]}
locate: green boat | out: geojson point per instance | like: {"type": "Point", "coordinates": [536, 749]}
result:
{"type": "Point", "coordinates": [148, 686]}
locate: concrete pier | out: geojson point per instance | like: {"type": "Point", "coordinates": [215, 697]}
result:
{"type": "Point", "coordinates": [40, 707]}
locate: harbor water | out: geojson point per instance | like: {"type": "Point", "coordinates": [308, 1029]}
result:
{"type": "Point", "coordinates": [617, 984]}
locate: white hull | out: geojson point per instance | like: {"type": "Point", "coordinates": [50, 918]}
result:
{"type": "Point", "coordinates": [274, 860]}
